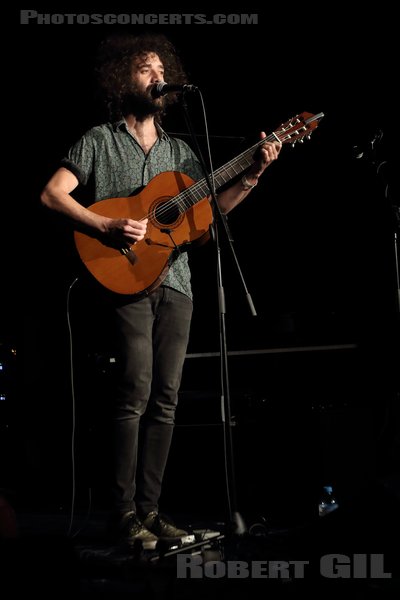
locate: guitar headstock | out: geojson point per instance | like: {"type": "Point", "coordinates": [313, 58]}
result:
{"type": "Point", "coordinates": [297, 128]}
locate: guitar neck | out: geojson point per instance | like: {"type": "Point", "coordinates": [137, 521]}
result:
{"type": "Point", "coordinates": [222, 175]}
{"type": "Point", "coordinates": [237, 165]}
{"type": "Point", "coordinates": [293, 130]}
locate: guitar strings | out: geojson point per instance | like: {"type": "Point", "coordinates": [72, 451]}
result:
{"type": "Point", "coordinates": [200, 188]}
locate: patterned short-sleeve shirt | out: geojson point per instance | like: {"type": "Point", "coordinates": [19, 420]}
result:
{"type": "Point", "coordinates": [111, 156]}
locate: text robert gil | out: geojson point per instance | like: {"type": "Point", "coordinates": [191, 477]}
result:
{"type": "Point", "coordinates": [332, 566]}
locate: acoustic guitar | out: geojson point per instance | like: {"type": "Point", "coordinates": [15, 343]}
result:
{"type": "Point", "coordinates": [178, 212]}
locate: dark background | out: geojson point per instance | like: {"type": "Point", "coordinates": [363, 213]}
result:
{"type": "Point", "coordinates": [314, 241]}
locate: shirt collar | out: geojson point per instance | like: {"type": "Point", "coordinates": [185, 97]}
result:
{"type": "Point", "coordinates": [122, 126]}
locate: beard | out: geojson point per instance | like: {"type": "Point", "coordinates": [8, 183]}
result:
{"type": "Point", "coordinates": [141, 104]}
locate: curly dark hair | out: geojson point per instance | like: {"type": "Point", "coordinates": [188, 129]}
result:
{"type": "Point", "coordinates": [114, 64]}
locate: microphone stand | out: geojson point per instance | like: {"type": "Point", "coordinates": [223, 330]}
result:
{"type": "Point", "coordinates": [236, 522]}
{"type": "Point", "coordinates": [370, 154]}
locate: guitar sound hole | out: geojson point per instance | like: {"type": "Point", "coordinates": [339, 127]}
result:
{"type": "Point", "coordinates": [166, 214]}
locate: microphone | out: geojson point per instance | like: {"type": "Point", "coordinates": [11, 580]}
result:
{"type": "Point", "coordinates": [162, 88]}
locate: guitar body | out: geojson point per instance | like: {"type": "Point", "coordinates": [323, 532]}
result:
{"type": "Point", "coordinates": [146, 265]}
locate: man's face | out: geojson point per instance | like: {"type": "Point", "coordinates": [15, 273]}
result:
{"type": "Point", "coordinates": [147, 70]}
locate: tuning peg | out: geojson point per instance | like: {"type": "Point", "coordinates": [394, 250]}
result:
{"type": "Point", "coordinates": [309, 136]}
{"type": "Point", "coordinates": [294, 143]}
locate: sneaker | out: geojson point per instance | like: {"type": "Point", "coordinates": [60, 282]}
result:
{"type": "Point", "coordinates": [162, 526]}
{"type": "Point", "coordinates": [130, 530]}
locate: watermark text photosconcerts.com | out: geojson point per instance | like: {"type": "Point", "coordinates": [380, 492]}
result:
{"type": "Point", "coordinates": [33, 17]}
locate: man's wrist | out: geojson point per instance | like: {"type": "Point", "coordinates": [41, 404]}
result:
{"type": "Point", "coordinates": [246, 184]}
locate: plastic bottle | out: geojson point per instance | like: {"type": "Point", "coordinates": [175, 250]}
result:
{"type": "Point", "coordinates": [327, 502]}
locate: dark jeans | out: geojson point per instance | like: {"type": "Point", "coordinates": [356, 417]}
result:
{"type": "Point", "coordinates": [152, 338]}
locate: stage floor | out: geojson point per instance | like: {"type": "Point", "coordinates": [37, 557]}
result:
{"type": "Point", "coordinates": [54, 556]}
